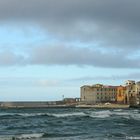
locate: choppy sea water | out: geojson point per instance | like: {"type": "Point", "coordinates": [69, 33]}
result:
{"type": "Point", "coordinates": [69, 124]}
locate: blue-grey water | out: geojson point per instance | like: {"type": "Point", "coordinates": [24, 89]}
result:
{"type": "Point", "coordinates": [69, 124]}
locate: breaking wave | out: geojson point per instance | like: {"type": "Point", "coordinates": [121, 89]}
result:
{"type": "Point", "coordinates": [39, 136]}
{"type": "Point", "coordinates": [81, 114]}
{"type": "Point", "coordinates": [100, 114]}
{"type": "Point", "coordinates": [74, 124]}
{"type": "Point", "coordinates": [28, 136]}
{"type": "Point", "coordinates": [44, 114]}
{"type": "Point", "coordinates": [133, 114]}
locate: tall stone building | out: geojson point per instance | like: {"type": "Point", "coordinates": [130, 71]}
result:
{"type": "Point", "coordinates": [138, 92]}
{"type": "Point", "coordinates": [98, 94]}
{"type": "Point", "coordinates": [121, 95]}
{"type": "Point", "coordinates": [133, 93]}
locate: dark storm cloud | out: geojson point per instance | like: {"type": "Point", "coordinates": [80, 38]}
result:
{"type": "Point", "coordinates": [8, 58]}
{"type": "Point", "coordinates": [105, 24]}
{"type": "Point", "coordinates": [109, 23]}
{"type": "Point", "coordinates": [63, 55]}
{"type": "Point", "coordinates": [70, 55]}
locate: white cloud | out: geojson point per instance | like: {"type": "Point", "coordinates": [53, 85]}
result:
{"type": "Point", "coordinates": [48, 83]}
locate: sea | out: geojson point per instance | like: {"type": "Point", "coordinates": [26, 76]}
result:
{"type": "Point", "coordinates": [69, 124]}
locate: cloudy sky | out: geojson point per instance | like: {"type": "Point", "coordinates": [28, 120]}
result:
{"type": "Point", "coordinates": [49, 48]}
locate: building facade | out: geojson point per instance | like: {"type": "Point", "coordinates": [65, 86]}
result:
{"type": "Point", "coordinates": [121, 95]}
{"type": "Point", "coordinates": [127, 94]}
{"type": "Point", "coordinates": [129, 82]}
{"type": "Point", "coordinates": [133, 93]}
{"type": "Point", "coordinates": [98, 94]}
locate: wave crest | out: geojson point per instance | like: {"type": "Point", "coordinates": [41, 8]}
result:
{"type": "Point", "coordinates": [28, 136]}
{"type": "Point", "coordinates": [92, 114]}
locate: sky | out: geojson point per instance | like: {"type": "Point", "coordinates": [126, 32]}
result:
{"type": "Point", "coordinates": [50, 48]}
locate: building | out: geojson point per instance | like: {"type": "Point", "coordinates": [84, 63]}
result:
{"type": "Point", "coordinates": [138, 92]}
{"type": "Point", "coordinates": [98, 94]}
{"type": "Point", "coordinates": [129, 82]}
{"type": "Point", "coordinates": [127, 94]}
{"type": "Point", "coordinates": [88, 94]}
{"type": "Point", "coordinates": [121, 95]}
{"type": "Point", "coordinates": [133, 93]}
{"type": "Point", "coordinates": [71, 100]}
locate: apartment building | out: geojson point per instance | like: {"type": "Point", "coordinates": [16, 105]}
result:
{"type": "Point", "coordinates": [98, 93]}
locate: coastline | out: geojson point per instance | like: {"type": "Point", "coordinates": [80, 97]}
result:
{"type": "Point", "coordinates": [100, 106]}
{"type": "Point", "coordinates": [104, 106]}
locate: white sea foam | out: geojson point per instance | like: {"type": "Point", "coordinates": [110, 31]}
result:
{"type": "Point", "coordinates": [31, 114]}
{"type": "Point", "coordinates": [118, 110]}
{"type": "Point", "coordinates": [5, 137]}
{"type": "Point", "coordinates": [121, 113]}
{"type": "Point", "coordinates": [44, 114]}
{"type": "Point", "coordinates": [22, 114]}
{"type": "Point", "coordinates": [136, 111]}
{"type": "Point", "coordinates": [128, 114]}
{"type": "Point", "coordinates": [29, 136]}
{"type": "Point", "coordinates": [68, 114]}
{"type": "Point", "coordinates": [100, 114]}
{"type": "Point", "coordinates": [135, 116]}
{"type": "Point", "coordinates": [94, 114]}
{"type": "Point", "coordinates": [7, 114]}
{"type": "Point", "coordinates": [22, 136]}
